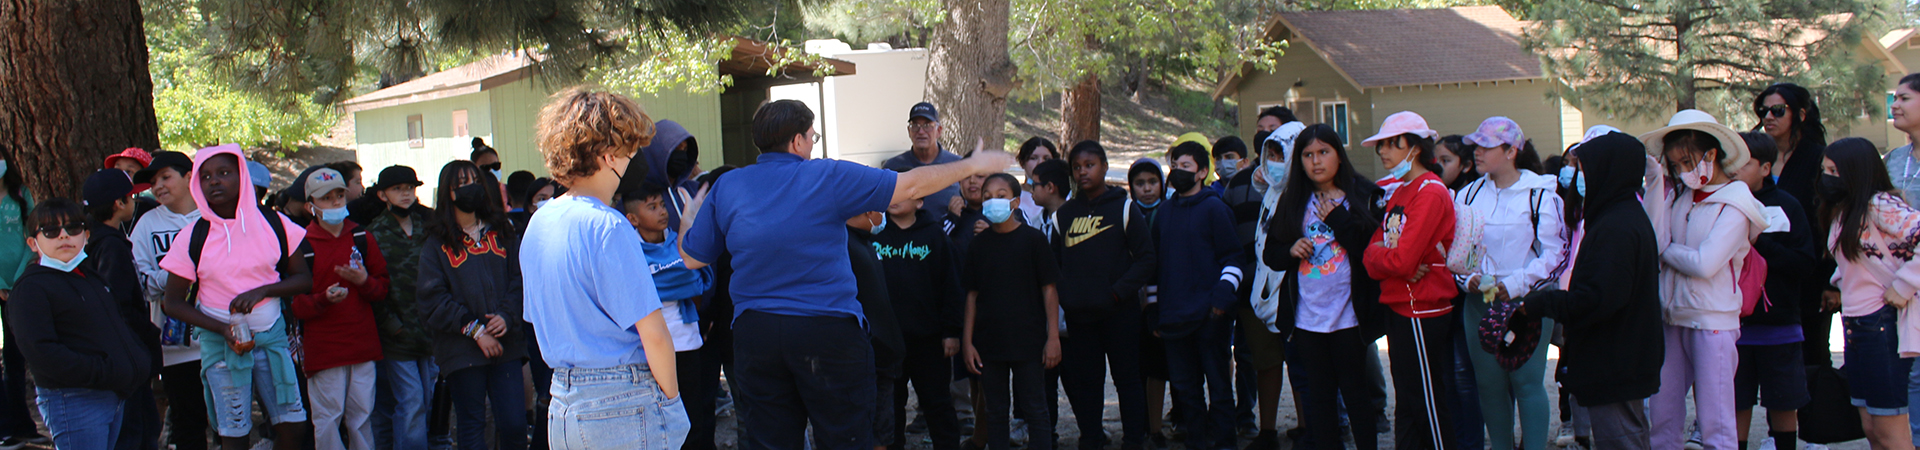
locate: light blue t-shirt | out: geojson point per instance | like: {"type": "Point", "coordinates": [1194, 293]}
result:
{"type": "Point", "coordinates": [784, 221]}
{"type": "Point", "coordinates": [1904, 171]}
{"type": "Point", "coordinates": [584, 292]}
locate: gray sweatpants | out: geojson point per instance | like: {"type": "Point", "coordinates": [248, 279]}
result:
{"type": "Point", "coordinates": [1620, 426]}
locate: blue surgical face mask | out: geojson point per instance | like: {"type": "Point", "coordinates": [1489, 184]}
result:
{"type": "Point", "coordinates": [1566, 176]}
{"type": "Point", "coordinates": [1276, 173]}
{"type": "Point", "coordinates": [333, 216]}
{"type": "Point", "coordinates": [997, 210]}
{"type": "Point", "coordinates": [878, 227]}
{"type": "Point", "coordinates": [1399, 171]}
{"type": "Point", "coordinates": [68, 266]}
{"type": "Point", "coordinates": [1155, 204]}
{"type": "Point", "coordinates": [1580, 185]}
{"type": "Point", "coordinates": [496, 175]}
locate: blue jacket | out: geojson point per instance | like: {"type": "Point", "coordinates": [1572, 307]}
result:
{"type": "Point", "coordinates": [1199, 254]}
{"type": "Point", "coordinates": [672, 278]}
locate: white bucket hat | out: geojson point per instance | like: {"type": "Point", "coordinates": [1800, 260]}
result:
{"type": "Point", "coordinates": [1694, 119]}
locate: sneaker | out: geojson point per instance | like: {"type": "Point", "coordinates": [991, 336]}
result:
{"type": "Point", "coordinates": [12, 444]}
{"type": "Point", "coordinates": [1566, 435]}
{"type": "Point", "coordinates": [264, 444]}
{"type": "Point", "coordinates": [1018, 436]}
{"type": "Point", "coordinates": [1767, 444]}
{"type": "Point", "coordinates": [1693, 440]}
{"type": "Point", "coordinates": [1265, 440]}
{"type": "Point", "coordinates": [1247, 430]}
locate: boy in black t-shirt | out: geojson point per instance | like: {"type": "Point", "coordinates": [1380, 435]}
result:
{"type": "Point", "coordinates": [1010, 271]}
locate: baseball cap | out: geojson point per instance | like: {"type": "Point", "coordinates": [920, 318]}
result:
{"type": "Point", "coordinates": [262, 178]}
{"type": "Point", "coordinates": [104, 187]}
{"type": "Point", "coordinates": [323, 181]}
{"type": "Point", "coordinates": [1497, 131]}
{"type": "Point", "coordinates": [134, 153]}
{"type": "Point", "coordinates": [179, 162]}
{"type": "Point", "coordinates": [923, 110]}
{"type": "Point", "coordinates": [1404, 122]}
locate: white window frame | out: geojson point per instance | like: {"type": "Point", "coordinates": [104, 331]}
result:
{"type": "Point", "coordinates": [1331, 110]}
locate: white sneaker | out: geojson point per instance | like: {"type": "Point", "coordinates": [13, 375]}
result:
{"type": "Point", "coordinates": [1566, 436]}
{"type": "Point", "coordinates": [1693, 440]}
{"type": "Point", "coordinates": [1766, 444]}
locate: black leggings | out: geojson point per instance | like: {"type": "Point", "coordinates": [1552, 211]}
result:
{"type": "Point", "coordinates": [1326, 366]}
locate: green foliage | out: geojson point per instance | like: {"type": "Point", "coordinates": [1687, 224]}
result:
{"type": "Point", "coordinates": [195, 108]}
{"type": "Point", "coordinates": [906, 22]}
{"type": "Point", "coordinates": [1645, 59]}
{"type": "Point", "coordinates": [665, 61]}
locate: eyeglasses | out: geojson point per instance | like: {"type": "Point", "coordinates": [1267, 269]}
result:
{"type": "Point", "coordinates": [923, 126]}
{"type": "Point", "coordinates": [815, 136]}
{"type": "Point", "coordinates": [53, 231]}
{"type": "Point", "coordinates": [1775, 111]}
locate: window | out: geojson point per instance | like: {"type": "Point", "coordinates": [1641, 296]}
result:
{"type": "Point", "coordinates": [416, 132]}
{"type": "Point", "coordinates": [459, 123]}
{"type": "Point", "coordinates": [1890, 99]}
{"type": "Point", "coordinates": [1335, 114]}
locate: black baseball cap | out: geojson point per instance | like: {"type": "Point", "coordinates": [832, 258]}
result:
{"type": "Point", "coordinates": [161, 160]}
{"type": "Point", "coordinates": [923, 110]}
{"type": "Point", "coordinates": [105, 186]}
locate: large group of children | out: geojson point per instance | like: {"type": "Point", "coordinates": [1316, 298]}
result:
{"type": "Point", "coordinates": [177, 297]}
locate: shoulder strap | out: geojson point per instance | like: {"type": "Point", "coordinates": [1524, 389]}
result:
{"type": "Point", "coordinates": [279, 234]}
{"type": "Point", "coordinates": [306, 251]}
{"type": "Point", "coordinates": [198, 240]}
{"type": "Point", "coordinates": [1534, 197]}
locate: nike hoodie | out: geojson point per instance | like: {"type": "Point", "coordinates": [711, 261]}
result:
{"type": "Point", "coordinates": [152, 237]}
{"type": "Point", "coordinates": [1106, 254]}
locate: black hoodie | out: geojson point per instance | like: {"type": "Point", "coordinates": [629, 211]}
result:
{"type": "Point", "coordinates": [1611, 309]}
{"type": "Point", "coordinates": [888, 349]}
{"type": "Point", "coordinates": [1792, 258]}
{"type": "Point", "coordinates": [71, 332]}
{"type": "Point", "coordinates": [923, 277]}
{"type": "Point", "coordinates": [111, 255]}
{"type": "Point", "coordinates": [1104, 258]}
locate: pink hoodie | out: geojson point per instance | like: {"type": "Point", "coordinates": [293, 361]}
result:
{"type": "Point", "coordinates": [239, 253]}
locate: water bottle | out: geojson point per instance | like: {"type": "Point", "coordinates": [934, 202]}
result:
{"type": "Point", "coordinates": [355, 260]}
{"type": "Point", "coordinates": [242, 338]}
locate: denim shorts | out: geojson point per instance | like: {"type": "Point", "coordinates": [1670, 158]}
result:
{"type": "Point", "coordinates": [234, 409]}
{"type": "Point", "coordinates": [1876, 374]}
{"type": "Point", "coordinates": [613, 408]}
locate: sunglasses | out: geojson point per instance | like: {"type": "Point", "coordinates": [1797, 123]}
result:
{"type": "Point", "coordinates": [491, 166]}
{"type": "Point", "coordinates": [1775, 111]}
{"type": "Point", "coordinates": [71, 229]}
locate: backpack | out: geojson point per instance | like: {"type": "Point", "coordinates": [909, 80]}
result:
{"type": "Point", "coordinates": [1752, 281]}
{"type": "Point", "coordinates": [359, 243]}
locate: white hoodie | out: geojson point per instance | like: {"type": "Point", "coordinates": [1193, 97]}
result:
{"type": "Point", "coordinates": [1703, 245]}
{"type": "Point", "coordinates": [1511, 238]}
{"type": "Point", "coordinates": [152, 235]}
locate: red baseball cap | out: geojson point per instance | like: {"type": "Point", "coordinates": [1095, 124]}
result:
{"type": "Point", "coordinates": [136, 153]}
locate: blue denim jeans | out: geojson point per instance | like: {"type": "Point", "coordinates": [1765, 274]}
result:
{"type": "Point", "coordinates": [613, 408]}
{"type": "Point", "coordinates": [401, 402]}
{"type": "Point", "coordinates": [81, 419]}
{"type": "Point", "coordinates": [1877, 377]}
{"type": "Point", "coordinates": [499, 385]}
{"type": "Point", "coordinates": [235, 408]}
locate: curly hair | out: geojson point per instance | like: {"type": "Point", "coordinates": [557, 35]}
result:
{"type": "Point", "coordinates": [577, 126]}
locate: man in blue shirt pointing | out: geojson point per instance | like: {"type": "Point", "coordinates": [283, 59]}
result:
{"type": "Point", "coordinates": [800, 344]}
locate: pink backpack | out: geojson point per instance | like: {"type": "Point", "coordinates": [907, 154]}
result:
{"type": "Point", "coordinates": [1752, 280]}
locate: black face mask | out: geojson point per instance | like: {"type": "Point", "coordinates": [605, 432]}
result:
{"type": "Point", "coordinates": [401, 211]}
{"type": "Point", "coordinates": [470, 198]}
{"type": "Point", "coordinates": [679, 163]}
{"type": "Point", "coordinates": [1181, 181]}
{"type": "Point", "coordinates": [1832, 188]}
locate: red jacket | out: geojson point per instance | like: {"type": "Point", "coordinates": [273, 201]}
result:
{"type": "Point", "coordinates": [1419, 216]}
{"type": "Point", "coordinates": [339, 334]}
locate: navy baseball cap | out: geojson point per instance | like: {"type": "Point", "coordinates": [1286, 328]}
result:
{"type": "Point", "coordinates": [105, 186]}
{"type": "Point", "coordinates": [923, 110]}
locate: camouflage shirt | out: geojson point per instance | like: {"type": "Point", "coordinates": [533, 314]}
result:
{"type": "Point", "coordinates": [403, 333]}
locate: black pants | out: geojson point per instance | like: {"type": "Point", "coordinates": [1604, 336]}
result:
{"type": "Point", "coordinates": [186, 409]}
{"type": "Point", "coordinates": [543, 393]}
{"type": "Point", "coordinates": [1096, 346]}
{"type": "Point", "coordinates": [931, 372]}
{"type": "Point", "coordinates": [1029, 389]}
{"type": "Point", "coordinates": [1330, 366]}
{"type": "Point", "coordinates": [699, 400]}
{"type": "Point", "coordinates": [1200, 364]}
{"type": "Point", "coordinates": [1422, 363]}
{"type": "Point", "coordinates": [795, 371]}
{"type": "Point", "coordinates": [140, 426]}
{"type": "Point", "coordinates": [1816, 325]}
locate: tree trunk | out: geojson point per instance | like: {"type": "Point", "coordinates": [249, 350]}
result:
{"type": "Point", "coordinates": [1080, 111]}
{"type": "Point", "coordinates": [970, 75]}
{"type": "Point", "coordinates": [77, 89]}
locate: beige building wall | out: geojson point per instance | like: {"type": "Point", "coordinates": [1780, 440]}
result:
{"type": "Point", "coordinates": [1459, 109]}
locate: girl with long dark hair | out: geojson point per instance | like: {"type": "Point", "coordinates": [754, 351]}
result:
{"type": "Point", "coordinates": [470, 295]}
{"type": "Point", "coordinates": [1868, 223]}
{"type": "Point", "coordinates": [1317, 236]}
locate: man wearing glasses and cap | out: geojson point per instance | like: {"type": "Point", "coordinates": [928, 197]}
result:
{"type": "Point", "coordinates": [923, 127]}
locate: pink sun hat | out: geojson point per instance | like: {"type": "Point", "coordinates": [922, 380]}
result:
{"type": "Point", "coordinates": [1404, 122]}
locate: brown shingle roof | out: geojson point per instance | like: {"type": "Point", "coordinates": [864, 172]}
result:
{"type": "Point", "coordinates": [1404, 47]}
{"type": "Point", "coordinates": [470, 78]}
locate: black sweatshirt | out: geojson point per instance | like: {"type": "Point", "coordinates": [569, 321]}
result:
{"type": "Point", "coordinates": [888, 349]}
{"type": "Point", "coordinates": [1104, 259]}
{"type": "Point", "coordinates": [72, 334]}
{"type": "Point", "coordinates": [1611, 309]}
{"type": "Point", "coordinates": [111, 255]}
{"type": "Point", "coordinates": [923, 277]}
{"type": "Point", "coordinates": [1791, 262]}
